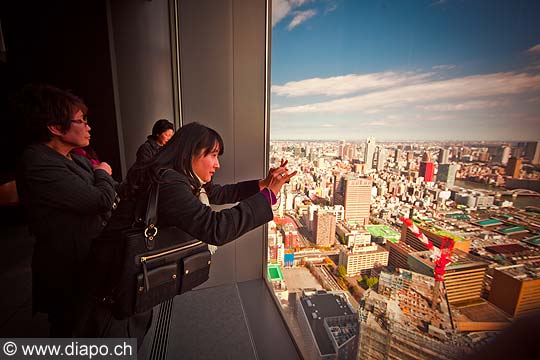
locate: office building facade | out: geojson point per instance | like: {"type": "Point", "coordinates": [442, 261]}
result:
{"type": "Point", "coordinates": [513, 168]}
{"type": "Point", "coordinates": [354, 194]}
{"type": "Point", "coordinates": [464, 277]}
{"type": "Point", "coordinates": [447, 173]}
{"type": "Point", "coordinates": [329, 325]}
{"type": "Point", "coordinates": [324, 228]}
{"type": "Point", "coordinates": [516, 289]}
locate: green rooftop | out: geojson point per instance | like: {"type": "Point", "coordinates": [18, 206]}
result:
{"type": "Point", "coordinates": [383, 231]}
{"type": "Point", "coordinates": [460, 216]}
{"type": "Point", "coordinates": [274, 273]}
{"type": "Point", "coordinates": [488, 222]}
{"type": "Point", "coordinates": [513, 230]}
{"type": "Point", "coordinates": [447, 234]}
{"type": "Point", "coordinates": [535, 240]}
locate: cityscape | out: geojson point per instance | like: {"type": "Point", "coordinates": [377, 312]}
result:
{"type": "Point", "coordinates": [355, 281]}
{"type": "Point", "coordinates": [412, 229]}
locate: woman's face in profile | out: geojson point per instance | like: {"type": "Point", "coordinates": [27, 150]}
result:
{"type": "Point", "coordinates": [204, 166]}
{"type": "Point", "coordinates": [164, 137]}
{"type": "Point", "coordinates": [78, 134]}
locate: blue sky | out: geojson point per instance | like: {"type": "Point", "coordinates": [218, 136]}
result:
{"type": "Point", "coordinates": [405, 70]}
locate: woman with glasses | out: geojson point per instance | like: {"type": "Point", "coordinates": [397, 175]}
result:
{"type": "Point", "coordinates": [67, 200]}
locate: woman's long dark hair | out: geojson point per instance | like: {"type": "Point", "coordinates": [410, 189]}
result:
{"type": "Point", "coordinates": [190, 140]}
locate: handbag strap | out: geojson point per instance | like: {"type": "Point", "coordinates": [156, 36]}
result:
{"type": "Point", "coordinates": [152, 205]}
{"type": "Point", "coordinates": [150, 218]}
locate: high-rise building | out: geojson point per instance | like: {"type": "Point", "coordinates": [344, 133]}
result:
{"type": "Point", "coordinates": [352, 234]}
{"type": "Point", "coordinates": [447, 173]}
{"type": "Point", "coordinates": [464, 277]}
{"type": "Point", "coordinates": [513, 168]}
{"type": "Point", "coordinates": [531, 151]}
{"type": "Point", "coordinates": [381, 157]}
{"type": "Point", "coordinates": [398, 253]}
{"type": "Point", "coordinates": [504, 152]}
{"type": "Point", "coordinates": [427, 168]}
{"type": "Point", "coordinates": [329, 325]}
{"type": "Point", "coordinates": [483, 156]}
{"type": "Point", "coordinates": [369, 152]}
{"type": "Point", "coordinates": [290, 236]}
{"type": "Point", "coordinates": [443, 157]}
{"type": "Point", "coordinates": [363, 258]}
{"type": "Point", "coordinates": [337, 210]}
{"type": "Point", "coordinates": [397, 155]}
{"type": "Point", "coordinates": [342, 149]}
{"type": "Point", "coordinates": [354, 193]}
{"type": "Point", "coordinates": [517, 152]}
{"type": "Point", "coordinates": [516, 289]}
{"type": "Point", "coordinates": [350, 152]}
{"type": "Point", "coordinates": [435, 235]}
{"type": "Point", "coordinates": [324, 228]}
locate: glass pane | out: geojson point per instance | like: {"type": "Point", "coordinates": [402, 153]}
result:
{"type": "Point", "coordinates": [412, 225]}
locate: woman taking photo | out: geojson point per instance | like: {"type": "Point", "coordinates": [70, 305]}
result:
{"type": "Point", "coordinates": [184, 169]}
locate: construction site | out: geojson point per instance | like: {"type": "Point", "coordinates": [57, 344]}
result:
{"type": "Point", "coordinates": [401, 321]}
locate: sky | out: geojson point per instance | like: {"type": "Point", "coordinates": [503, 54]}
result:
{"type": "Point", "coordinates": [405, 70]}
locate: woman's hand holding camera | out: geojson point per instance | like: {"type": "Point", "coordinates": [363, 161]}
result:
{"type": "Point", "coordinates": [277, 177]}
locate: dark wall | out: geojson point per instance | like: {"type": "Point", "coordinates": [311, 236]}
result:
{"type": "Point", "coordinates": [144, 69]}
{"type": "Point", "coordinates": [64, 43]}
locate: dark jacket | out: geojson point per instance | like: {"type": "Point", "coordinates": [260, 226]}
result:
{"type": "Point", "coordinates": [67, 204]}
{"type": "Point", "coordinates": [179, 206]}
{"type": "Point", "coordinates": [147, 150]}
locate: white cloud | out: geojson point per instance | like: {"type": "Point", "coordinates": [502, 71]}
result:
{"type": "Point", "coordinates": [535, 49]}
{"type": "Point", "coordinates": [300, 17]}
{"type": "Point", "coordinates": [330, 8]}
{"type": "Point", "coordinates": [457, 89]}
{"type": "Point", "coordinates": [328, 125]}
{"type": "Point", "coordinates": [347, 84]}
{"type": "Point", "coordinates": [377, 123]}
{"type": "Point", "coordinates": [444, 67]}
{"type": "Point", "coordinates": [463, 106]}
{"type": "Point", "coordinates": [282, 8]}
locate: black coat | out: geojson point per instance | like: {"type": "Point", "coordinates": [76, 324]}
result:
{"type": "Point", "coordinates": [179, 206]}
{"type": "Point", "coordinates": [147, 150]}
{"type": "Point", "coordinates": [67, 204]}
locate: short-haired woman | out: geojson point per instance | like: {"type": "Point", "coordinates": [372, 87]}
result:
{"type": "Point", "coordinates": [67, 201]}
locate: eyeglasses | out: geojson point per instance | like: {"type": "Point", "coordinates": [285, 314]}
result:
{"type": "Point", "coordinates": [83, 121]}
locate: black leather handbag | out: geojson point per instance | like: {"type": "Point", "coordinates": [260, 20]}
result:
{"type": "Point", "coordinates": [155, 266]}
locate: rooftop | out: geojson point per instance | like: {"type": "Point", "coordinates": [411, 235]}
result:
{"type": "Point", "coordinates": [488, 222]}
{"type": "Point", "coordinates": [512, 230]}
{"type": "Point", "coordinates": [383, 231]}
{"type": "Point", "coordinates": [319, 306]}
{"type": "Point", "coordinates": [343, 328]}
{"type": "Point", "coordinates": [460, 260]}
{"type": "Point", "coordinates": [506, 249]}
{"type": "Point", "coordinates": [274, 272]}
{"type": "Point", "coordinates": [478, 316]}
{"type": "Point", "coordinates": [438, 231]}
{"type": "Point", "coordinates": [533, 240]}
{"type": "Point", "coordinates": [523, 272]}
